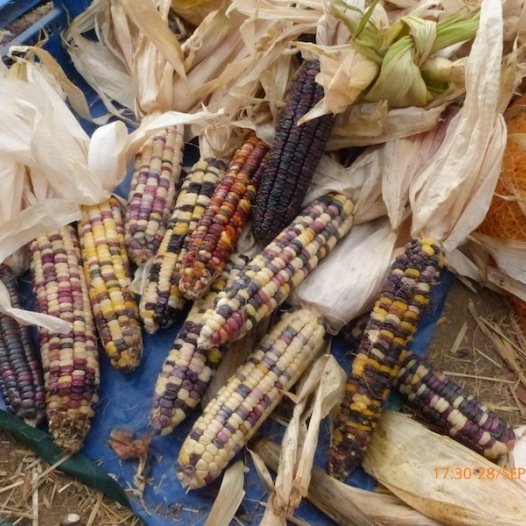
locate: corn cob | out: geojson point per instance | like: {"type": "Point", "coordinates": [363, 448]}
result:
{"type": "Point", "coordinates": [152, 193]}
{"type": "Point", "coordinates": [391, 325]}
{"type": "Point", "coordinates": [294, 154]}
{"type": "Point", "coordinates": [445, 404]}
{"type": "Point", "coordinates": [107, 271]}
{"type": "Point", "coordinates": [217, 233]}
{"type": "Point", "coordinates": [70, 361]}
{"type": "Point", "coordinates": [21, 378]}
{"type": "Point", "coordinates": [161, 298]}
{"type": "Point", "coordinates": [269, 278]}
{"type": "Point", "coordinates": [249, 396]}
{"type": "Point", "coordinates": [188, 368]}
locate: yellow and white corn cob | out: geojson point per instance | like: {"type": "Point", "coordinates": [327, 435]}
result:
{"type": "Point", "coordinates": [269, 278]}
{"type": "Point", "coordinates": [162, 299]}
{"type": "Point", "coordinates": [107, 270]}
{"type": "Point", "coordinates": [242, 405]}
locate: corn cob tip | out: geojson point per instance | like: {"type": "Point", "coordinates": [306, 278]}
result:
{"type": "Point", "coordinates": [191, 474]}
{"type": "Point", "coordinates": [70, 433]}
{"type": "Point", "coordinates": [195, 280]}
{"type": "Point", "coordinates": [128, 361]}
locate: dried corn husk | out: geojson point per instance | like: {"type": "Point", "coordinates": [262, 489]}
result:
{"type": "Point", "coordinates": [411, 461]}
{"type": "Point", "coordinates": [395, 62]}
{"type": "Point", "coordinates": [369, 123]}
{"type": "Point", "coordinates": [220, 64]}
{"type": "Point", "coordinates": [346, 504]}
{"type": "Point", "coordinates": [318, 393]}
{"type": "Point", "coordinates": [65, 167]}
{"type": "Point", "coordinates": [452, 193]}
{"type": "Point", "coordinates": [195, 10]}
{"type": "Point", "coordinates": [343, 287]}
{"type": "Point", "coordinates": [229, 498]}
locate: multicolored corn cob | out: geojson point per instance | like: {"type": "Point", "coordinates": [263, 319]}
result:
{"type": "Point", "coordinates": [161, 298]}
{"type": "Point", "coordinates": [391, 326]}
{"type": "Point", "coordinates": [107, 271]}
{"type": "Point", "coordinates": [242, 405]}
{"type": "Point", "coordinates": [294, 154]}
{"type": "Point", "coordinates": [70, 361]}
{"type": "Point", "coordinates": [152, 193]}
{"type": "Point", "coordinates": [217, 233]}
{"type": "Point", "coordinates": [188, 369]}
{"type": "Point", "coordinates": [268, 279]}
{"type": "Point", "coordinates": [21, 378]}
{"type": "Point", "coordinates": [445, 404]}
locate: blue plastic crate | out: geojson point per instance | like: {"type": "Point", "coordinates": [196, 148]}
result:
{"type": "Point", "coordinates": [125, 399]}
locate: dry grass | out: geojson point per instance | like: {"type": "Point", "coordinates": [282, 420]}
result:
{"type": "Point", "coordinates": [478, 344]}
{"type": "Point", "coordinates": [32, 495]}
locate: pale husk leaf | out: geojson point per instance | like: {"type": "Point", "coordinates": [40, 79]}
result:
{"type": "Point", "coordinates": [195, 10]}
{"type": "Point", "coordinates": [361, 182]}
{"type": "Point", "coordinates": [346, 504]}
{"type": "Point", "coordinates": [343, 287]}
{"type": "Point", "coordinates": [452, 194]}
{"type": "Point", "coordinates": [404, 456]}
{"type": "Point", "coordinates": [31, 318]}
{"type": "Point", "coordinates": [369, 123]}
{"type": "Point", "coordinates": [517, 456]}
{"type": "Point", "coordinates": [325, 381]}
{"type": "Point", "coordinates": [13, 179]}
{"type": "Point", "coordinates": [344, 75]}
{"type": "Point", "coordinates": [401, 161]}
{"type": "Point", "coordinates": [102, 65]}
{"type": "Point", "coordinates": [229, 498]}
{"type": "Point", "coordinates": [509, 255]}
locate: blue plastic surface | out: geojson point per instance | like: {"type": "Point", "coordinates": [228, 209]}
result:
{"type": "Point", "coordinates": [125, 400]}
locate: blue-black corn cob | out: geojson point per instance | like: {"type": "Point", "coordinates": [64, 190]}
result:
{"type": "Point", "coordinates": [21, 378]}
{"type": "Point", "coordinates": [392, 323]}
{"type": "Point", "coordinates": [293, 157]}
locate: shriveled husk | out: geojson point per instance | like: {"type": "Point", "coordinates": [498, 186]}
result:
{"type": "Point", "coordinates": [441, 478]}
{"type": "Point", "coordinates": [229, 498]}
{"type": "Point", "coordinates": [195, 11]}
{"type": "Point", "coordinates": [64, 167]}
{"type": "Point", "coordinates": [346, 504]}
{"type": "Point", "coordinates": [451, 195]}
{"type": "Point", "coordinates": [222, 64]}
{"type": "Point", "coordinates": [320, 390]}
{"type": "Point", "coordinates": [343, 287]}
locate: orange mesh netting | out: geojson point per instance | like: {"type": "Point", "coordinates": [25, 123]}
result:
{"type": "Point", "coordinates": [505, 218]}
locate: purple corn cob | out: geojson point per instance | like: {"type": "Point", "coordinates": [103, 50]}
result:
{"type": "Point", "coordinates": [21, 378]}
{"type": "Point", "coordinates": [293, 157]}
